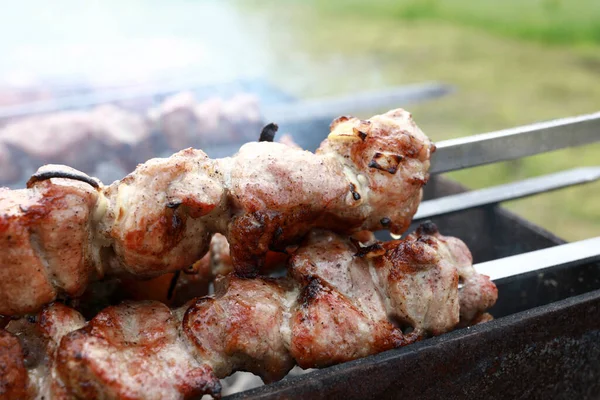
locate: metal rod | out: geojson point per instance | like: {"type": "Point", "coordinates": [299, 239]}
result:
{"type": "Point", "coordinates": [328, 108]}
{"type": "Point", "coordinates": [515, 143]}
{"type": "Point", "coordinates": [103, 96]}
{"type": "Point", "coordinates": [511, 191]}
{"type": "Point", "coordinates": [563, 255]}
{"type": "Point", "coordinates": [294, 112]}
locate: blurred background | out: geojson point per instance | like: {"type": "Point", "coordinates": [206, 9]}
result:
{"type": "Point", "coordinates": [210, 73]}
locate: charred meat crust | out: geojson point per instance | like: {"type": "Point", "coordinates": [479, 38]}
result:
{"type": "Point", "coordinates": [427, 228]}
{"type": "Point", "coordinates": [311, 291]}
{"type": "Point", "coordinates": [386, 162]}
{"type": "Point", "coordinates": [355, 194]}
{"type": "Point", "coordinates": [410, 256]}
{"type": "Point", "coordinates": [373, 250]}
{"type": "Point", "coordinates": [411, 251]}
{"type": "Point", "coordinates": [268, 132]}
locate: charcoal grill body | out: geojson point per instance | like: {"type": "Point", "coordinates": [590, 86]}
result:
{"type": "Point", "coordinates": [544, 342]}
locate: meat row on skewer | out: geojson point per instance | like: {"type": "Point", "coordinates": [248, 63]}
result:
{"type": "Point", "coordinates": [109, 139]}
{"type": "Point", "coordinates": [175, 289]}
{"type": "Point", "coordinates": [341, 301]}
{"type": "Point", "coordinates": [67, 229]}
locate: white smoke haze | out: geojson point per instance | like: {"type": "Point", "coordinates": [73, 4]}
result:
{"type": "Point", "coordinates": [112, 42]}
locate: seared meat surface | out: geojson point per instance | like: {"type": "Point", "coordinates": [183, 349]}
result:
{"type": "Point", "coordinates": [341, 301]}
{"type": "Point", "coordinates": [39, 337]}
{"type": "Point", "coordinates": [367, 175]}
{"type": "Point", "coordinates": [13, 381]}
{"type": "Point", "coordinates": [135, 351]}
{"type": "Point", "coordinates": [45, 243]}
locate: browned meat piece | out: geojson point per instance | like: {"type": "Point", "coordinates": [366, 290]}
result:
{"type": "Point", "coordinates": [45, 246]}
{"type": "Point", "coordinates": [240, 329]}
{"type": "Point", "coordinates": [39, 337]}
{"type": "Point", "coordinates": [391, 294]}
{"type": "Point", "coordinates": [13, 375]}
{"type": "Point", "coordinates": [328, 328]}
{"type": "Point", "coordinates": [133, 351]}
{"type": "Point", "coordinates": [340, 314]}
{"type": "Point", "coordinates": [366, 176]}
{"type": "Point", "coordinates": [422, 280]}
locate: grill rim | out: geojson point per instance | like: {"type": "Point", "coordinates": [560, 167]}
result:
{"type": "Point", "coordinates": [319, 383]}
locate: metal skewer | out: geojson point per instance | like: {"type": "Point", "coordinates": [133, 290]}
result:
{"type": "Point", "coordinates": [511, 191]}
{"type": "Point", "coordinates": [564, 255]}
{"type": "Point", "coordinates": [306, 111]}
{"type": "Point", "coordinates": [509, 144]}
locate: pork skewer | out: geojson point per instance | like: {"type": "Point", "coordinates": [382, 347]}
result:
{"type": "Point", "coordinates": [108, 139]}
{"type": "Point", "coordinates": [341, 301]}
{"type": "Point", "coordinates": [67, 229]}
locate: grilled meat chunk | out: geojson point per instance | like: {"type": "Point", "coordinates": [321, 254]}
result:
{"type": "Point", "coordinates": [13, 384]}
{"type": "Point", "coordinates": [45, 243]}
{"type": "Point", "coordinates": [39, 337]}
{"type": "Point", "coordinates": [241, 327]}
{"type": "Point", "coordinates": [134, 351]}
{"type": "Point", "coordinates": [279, 193]}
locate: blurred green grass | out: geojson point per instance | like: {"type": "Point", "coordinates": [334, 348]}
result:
{"type": "Point", "coordinates": [548, 21]}
{"type": "Point", "coordinates": [501, 81]}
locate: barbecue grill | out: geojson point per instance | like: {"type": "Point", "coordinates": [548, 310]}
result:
{"type": "Point", "coordinates": [545, 339]}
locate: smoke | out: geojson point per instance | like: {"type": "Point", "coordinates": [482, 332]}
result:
{"type": "Point", "coordinates": [113, 42]}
